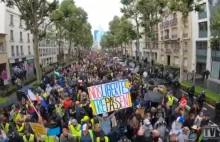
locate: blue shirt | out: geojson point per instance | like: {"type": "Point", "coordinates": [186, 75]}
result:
{"type": "Point", "coordinates": [86, 138]}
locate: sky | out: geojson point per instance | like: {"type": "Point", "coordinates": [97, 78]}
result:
{"type": "Point", "coordinates": [100, 12]}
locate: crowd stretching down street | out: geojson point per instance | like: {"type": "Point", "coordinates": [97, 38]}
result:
{"type": "Point", "coordinates": [97, 99]}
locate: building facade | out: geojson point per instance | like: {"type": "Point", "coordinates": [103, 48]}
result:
{"type": "Point", "coordinates": [205, 56]}
{"type": "Point", "coordinates": [18, 41]}
{"type": "Point", "coordinates": [169, 41]}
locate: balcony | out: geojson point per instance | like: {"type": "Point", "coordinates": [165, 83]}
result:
{"type": "Point", "coordinates": [174, 36]}
{"type": "Point", "coordinates": [166, 37]}
{"type": "Point", "coordinates": [12, 54]}
{"type": "Point", "coordinates": [168, 50]}
{"type": "Point", "coordinates": [176, 50]}
{"type": "Point", "coordinates": [173, 22]}
{"type": "Point", "coordinates": [185, 35]}
{"type": "Point", "coordinates": [21, 40]}
{"type": "Point", "coordinates": [12, 39]}
{"type": "Point", "coordinates": [18, 54]}
{"type": "Point", "coordinates": [166, 24]}
{"type": "Point", "coordinates": [22, 54]}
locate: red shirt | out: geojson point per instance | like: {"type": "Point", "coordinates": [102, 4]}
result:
{"type": "Point", "coordinates": [67, 104]}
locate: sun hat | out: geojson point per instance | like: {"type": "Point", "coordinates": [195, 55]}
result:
{"type": "Point", "coordinates": [194, 127]}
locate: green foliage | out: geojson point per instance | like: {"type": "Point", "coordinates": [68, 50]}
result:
{"type": "Point", "coordinates": [211, 97]}
{"type": "Point", "coordinates": [184, 6]}
{"type": "Point", "coordinates": [120, 32]}
{"type": "Point", "coordinates": [215, 29]}
{"type": "Point", "coordinates": [72, 21]}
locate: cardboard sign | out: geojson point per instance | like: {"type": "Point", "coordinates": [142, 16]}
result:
{"type": "Point", "coordinates": [110, 96]}
{"type": "Point", "coordinates": [38, 128]}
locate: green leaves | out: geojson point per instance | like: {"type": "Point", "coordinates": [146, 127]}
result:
{"type": "Point", "coordinates": [120, 32]}
{"type": "Point", "coordinates": [73, 20]}
{"type": "Point", "coordinates": [215, 29]}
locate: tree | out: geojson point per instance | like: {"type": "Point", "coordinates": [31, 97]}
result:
{"type": "Point", "coordinates": [72, 19]}
{"type": "Point", "coordinates": [33, 13]}
{"type": "Point", "coordinates": [215, 30]}
{"type": "Point", "coordinates": [131, 11]}
{"type": "Point", "coordinates": [184, 7]}
{"type": "Point", "coordinates": [150, 11]}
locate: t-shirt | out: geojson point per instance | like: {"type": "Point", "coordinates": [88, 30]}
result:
{"type": "Point", "coordinates": [67, 104]}
{"type": "Point", "coordinates": [86, 138]}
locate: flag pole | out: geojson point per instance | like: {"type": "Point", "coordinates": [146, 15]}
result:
{"type": "Point", "coordinates": [33, 106]}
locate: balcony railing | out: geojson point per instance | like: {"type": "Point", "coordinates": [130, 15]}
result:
{"type": "Point", "coordinates": [168, 50]}
{"type": "Point", "coordinates": [185, 35]}
{"type": "Point", "coordinates": [166, 37]}
{"type": "Point", "coordinates": [18, 54]}
{"type": "Point", "coordinates": [166, 24]}
{"type": "Point", "coordinates": [174, 36]}
{"type": "Point", "coordinates": [173, 21]}
{"type": "Point", "coordinates": [22, 53]}
{"type": "Point", "coordinates": [13, 54]}
{"type": "Point", "coordinates": [176, 50]}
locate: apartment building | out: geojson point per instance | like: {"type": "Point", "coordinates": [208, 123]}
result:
{"type": "Point", "coordinates": [169, 41]}
{"type": "Point", "coordinates": [18, 40]}
{"type": "Point", "coordinates": [205, 56]}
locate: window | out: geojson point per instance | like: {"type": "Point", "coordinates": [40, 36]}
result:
{"type": "Point", "coordinates": [176, 60]}
{"type": "Point", "coordinates": [202, 45]}
{"type": "Point", "coordinates": [17, 50]}
{"type": "Point", "coordinates": [185, 62]}
{"type": "Point", "coordinates": [185, 46]}
{"type": "Point", "coordinates": [20, 23]}
{"type": "Point", "coordinates": [203, 13]}
{"type": "Point", "coordinates": [174, 15]}
{"type": "Point", "coordinates": [203, 29]}
{"type": "Point", "coordinates": [21, 47]}
{"type": "Point", "coordinates": [21, 39]}
{"type": "Point", "coordinates": [29, 50]}
{"type": "Point", "coordinates": [11, 20]}
{"type": "Point", "coordinates": [28, 37]}
{"type": "Point", "coordinates": [12, 51]}
{"type": "Point", "coordinates": [1, 47]}
{"type": "Point", "coordinates": [11, 35]}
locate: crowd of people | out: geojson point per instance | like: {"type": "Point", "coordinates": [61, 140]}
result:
{"type": "Point", "coordinates": [67, 106]}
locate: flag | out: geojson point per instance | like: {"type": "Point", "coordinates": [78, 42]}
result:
{"type": "Point", "coordinates": [42, 101]}
{"type": "Point", "coordinates": [32, 96]}
{"type": "Point", "coordinates": [53, 132]}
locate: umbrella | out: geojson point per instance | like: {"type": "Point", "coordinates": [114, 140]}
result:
{"type": "Point", "coordinates": [153, 97]}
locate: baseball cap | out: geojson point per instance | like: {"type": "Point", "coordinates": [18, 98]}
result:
{"type": "Point", "coordinates": [180, 119]}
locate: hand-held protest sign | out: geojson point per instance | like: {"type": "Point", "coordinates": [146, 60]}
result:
{"type": "Point", "coordinates": [110, 96]}
{"type": "Point", "coordinates": [38, 128]}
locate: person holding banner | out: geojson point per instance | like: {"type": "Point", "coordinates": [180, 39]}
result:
{"type": "Point", "coordinates": [106, 122]}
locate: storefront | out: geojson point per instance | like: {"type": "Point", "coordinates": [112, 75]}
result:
{"type": "Point", "coordinates": [16, 64]}
{"type": "Point", "coordinates": [29, 65]}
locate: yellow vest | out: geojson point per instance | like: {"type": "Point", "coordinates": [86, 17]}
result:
{"type": "Point", "coordinates": [20, 129]}
{"type": "Point", "coordinates": [17, 117]}
{"type": "Point", "coordinates": [90, 133]}
{"type": "Point", "coordinates": [170, 100]}
{"type": "Point", "coordinates": [60, 110]}
{"type": "Point", "coordinates": [93, 122]}
{"type": "Point", "coordinates": [74, 131]}
{"type": "Point", "coordinates": [6, 127]}
{"type": "Point", "coordinates": [49, 139]}
{"type": "Point", "coordinates": [45, 95]}
{"type": "Point", "coordinates": [98, 139]}
{"type": "Point", "coordinates": [31, 139]}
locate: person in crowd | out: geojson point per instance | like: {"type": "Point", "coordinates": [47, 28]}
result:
{"type": "Point", "coordinates": [85, 134]}
{"type": "Point", "coordinates": [189, 122]}
{"type": "Point", "coordinates": [177, 125]}
{"type": "Point", "coordinates": [199, 119]}
{"type": "Point", "coordinates": [147, 128]}
{"type": "Point", "coordinates": [191, 92]}
{"type": "Point", "coordinates": [160, 125]}
{"type": "Point", "coordinates": [184, 134]}
{"type": "Point", "coordinates": [106, 122]}
{"type": "Point", "coordinates": [66, 136]}
{"type": "Point", "coordinates": [201, 100]}
{"type": "Point", "coordinates": [74, 127]}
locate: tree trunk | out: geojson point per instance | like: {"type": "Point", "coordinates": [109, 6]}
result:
{"type": "Point", "coordinates": [70, 46]}
{"type": "Point", "coordinates": [137, 41]}
{"type": "Point", "coordinates": [36, 56]}
{"type": "Point", "coordinates": [182, 50]}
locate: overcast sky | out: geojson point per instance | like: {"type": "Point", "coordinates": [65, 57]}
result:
{"type": "Point", "coordinates": [100, 12]}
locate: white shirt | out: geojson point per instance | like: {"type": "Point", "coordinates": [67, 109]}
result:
{"type": "Point", "coordinates": [145, 74]}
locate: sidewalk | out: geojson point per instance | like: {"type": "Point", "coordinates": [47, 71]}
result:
{"type": "Point", "coordinates": [12, 99]}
